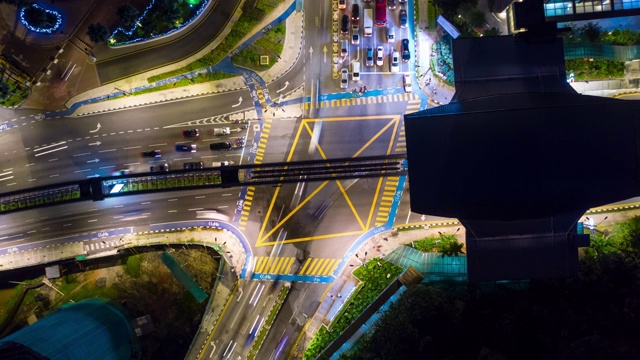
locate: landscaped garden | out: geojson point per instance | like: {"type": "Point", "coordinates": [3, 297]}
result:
{"type": "Point", "coordinates": [375, 275]}
{"type": "Point", "coordinates": [446, 245]}
{"type": "Point", "coordinates": [267, 47]}
{"type": "Point", "coordinates": [442, 61]}
{"type": "Point", "coordinates": [38, 19]}
{"type": "Point", "coordinates": [160, 18]}
{"type": "Point", "coordinates": [13, 88]}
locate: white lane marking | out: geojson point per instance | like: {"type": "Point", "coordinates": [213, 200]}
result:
{"type": "Point", "coordinates": [146, 203]}
{"type": "Point", "coordinates": [158, 144]}
{"type": "Point", "coordinates": [31, 180]}
{"type": "Point", "coordinates": [132, 147]}
{"type": "Point", "coordinates": [200, 197]}
{"type": "Point", "coordinates": [132, 164]}
{"type": "Point", "coordinates": [184, 159]}
{"type": "Point", "coordinates": [44, 229]}
{"type": "Point", "coordinates": [50, 151]}
{"type": "Point", "coordinates": [118, 217]}
{"type": "Point", "coordinates": [12, 184]}
{"type": "Point", "coordinates": [209, 156]}
{"type": "Point", "coordinates": [31, 232]}
{"type": "Point", "coordinates": [106, 167]}
{"type": "Point", "coordinates": [50, 160]}
{"type": "Point", "coordinates": [66, 225]}
{"type": "Point", "coordinates": [30, 164]}
{"type": "Point", "coordinates": [195, 209]}
{"type": "Point", "coordinates": [92, 220]}
{"type": "Point", "coordinates": [102, 151]}
{"type": "Point", "coordinates": [226, 194]}
{"type": "Point", "coordinates": [48, 146]}
{"type": "Point", "coordinates": [172, 211]}
{"type": "Point", "coordinates": [6, 173]}
{"type": "Point", "coordinates": [83, 154]}
{"type": "Point", "coordinates": [9, 169]}
{"type": "Point", "coordinates": [117, 206]}
{"type": "Point", "coordinates": [54, 175]}
{"type": "Point", "coordinates": [83, 170]}
{"type": "Point", "coordinates": [172, 200]}
{"type": "Point", "coordinates": [222, 206]}
{"type": "Point", "coordinates": [7, 178]}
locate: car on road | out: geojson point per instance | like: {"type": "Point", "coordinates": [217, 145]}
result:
{"type": "Point", "coordinates": [119, 172]}
{"type": "Point", "coordinates": [342, 4]}
{"type": "Point", "coordinates": [190, 133]}
{"type": "Point", "coordinates": [159, 167]}
{"type": "Point", "coordinates": [392, 4]}
{"type": "Point", "coordinates": [355, 39]}
{"type": "Point", "coordinates": [194, 165]}
{"type": "Point", "coordinates": [344, 24]}
{"type": "Point", "coordinates": [369, 61]}
{"type": "Point", "coordinates": [344, 80]}
{"type": "Point", "coordinates": [355, 71]}
{"type": "Point", "coordinates": [391, 34]}
{"type": "Point", "coordinates": [355, 12]}
{"type": "Point", "coordinates": [152, 154]}
{"type": "Point", "coordinates": [379, 56]}
{"type": "Point", "coordinates": [186, 148]}
{"type": "Point", "coordinates": [394, 61]}
{"type": "Point", "coordinates": [220, 146]}
{"type": "Point", "coordinates": [220, 163]}
{"type": "Point", "coordinates": [403, 18]}
{"type": "Point", "coordinates": [406, 54]}
{"type": "Point", "coordinates": [344, 49]}
{"type": "Point", "coordinates": [407, 83]}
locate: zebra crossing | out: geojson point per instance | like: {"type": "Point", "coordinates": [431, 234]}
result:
{"type": "Point", "coordinates": [100, 245]}
{"type": "Point", "coordinates": [278, 265]}
{"type": "Point", "coordinates": [413, 106]}
{"type": "Point", "coordinates": [284, 265]}
{"type": "Point", "coordinates": [365, 100]}
{"type": "Point", "coordinates": [246, 207]}
{"type": "Point", "coordinates": [389, 191]}
{"type": "Point", "coordinates": [319, 266]}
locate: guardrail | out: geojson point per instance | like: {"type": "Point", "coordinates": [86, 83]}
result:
{"type": "Point", "coordinates": [227, 176]}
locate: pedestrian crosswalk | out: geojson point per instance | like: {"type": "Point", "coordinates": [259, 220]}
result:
{"type": "Point", "coordinates": [283, 266]}
{"type": "Point", "coordinates": [401, 144]}
{"type": "Point", "coordinates": [319, 266]}
{"type": "Point", "coordinates": [100, 245]}
{"type": "Point", "coordinates": [262, 144]}
{"type": "Point", "coordinates": [220, 119]}
{"type": "Point", "coordinates": [389, 191]}
{"type": "Point", "coordinates": [413, 106]}
{"type": "Point", "coordinates": [277, 265]}
{"type": "Point", "coordinates": [246, 207]}
{"type": "Point", "coordinates": [365, 100]}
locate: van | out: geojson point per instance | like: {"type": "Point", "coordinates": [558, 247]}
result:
{"type": "Point", "coordinates": [220, 146]}
{"type": "Point", "coordinates": [355, 71]}
{"type": "Point", "coordinates": [344, 51]}
{"type": "Point", "coordinates": [391, 34]}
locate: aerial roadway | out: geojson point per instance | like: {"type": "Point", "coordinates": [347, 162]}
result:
{"type": "Point", "coordinates": [309, 226]}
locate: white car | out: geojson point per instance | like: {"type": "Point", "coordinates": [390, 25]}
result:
{"type": "Point", "coordinates": [355, 39]}
{"type": "Point", "coordinates": [344, 80]}
{"type": "Point", "coordinates": [406, 82]}
{"type": "Point", "coordinates": [379, 56]}
{"type": "Point", "coordinates": [355, 71]}
{"type": "Point", "coordinates": [394, 62]}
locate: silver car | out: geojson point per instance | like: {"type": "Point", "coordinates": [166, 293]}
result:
{"type": "Point", "coordinates": [344, 80]}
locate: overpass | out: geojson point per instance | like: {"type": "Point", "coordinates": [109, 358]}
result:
{"type": "Point", "coordinates": [99, 188]}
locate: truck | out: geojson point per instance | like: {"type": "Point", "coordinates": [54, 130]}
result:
{"type": "Point", "coordinates": [368, 22]}
{"type": "Point", "coordinates": [222, 131]}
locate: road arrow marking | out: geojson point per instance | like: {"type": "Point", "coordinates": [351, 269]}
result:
{"type": "Point", "coordinates": [93, 176]}
{"type": "Point", "coordinates": [286, 83]}
{"type": "Point", "coordinates": [95, 143]}
{"type": "Point", "coordinates": [93, 161]}
{"type": "Point", "coordinates": [239, 102]}
{"type": "Point", "coordinates": [310, 53]}
{"type": "Point", "coordinates": [324, 51]}
{"type": "Point", "coordinates": [236, 129]}
{"type": "Point", "coordinates": [96, 130]}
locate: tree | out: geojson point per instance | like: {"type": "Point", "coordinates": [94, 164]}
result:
{"type": "Point", "coordinates": [128, 14]}
{"type": "Point", "coordinates": [591, 32]}
{"type": "Point", "coordinates": [476, 19]}
{"type": "Point", "coordinates": [452, 248]}
{"type": "Point", "coordinates": [39, 18]}
{"type": "Point", "coordinates": [494, 31]}
{"type": "Point", "coordinates": [5, 90]}
{"type": "Point", "coordinates": [98, 33]}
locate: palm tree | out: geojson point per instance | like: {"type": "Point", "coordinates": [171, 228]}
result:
{"type": "Point", "coordinates": [98, 33]}
{"type": "Point", "coordinates": [452, 248]}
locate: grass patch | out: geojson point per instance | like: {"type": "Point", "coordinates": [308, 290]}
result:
{"type": "Point", "coordinates": [373, 276]}
{"type": "Point", "coordinates": [253, 11]}
{"type": "Point", "coordinates": [595, 69]}
{"type": "Point", "coordinates": [431, 16]}
{"type": "Point", "coordinates": [132, 267]}
{"type": "Point", "coordinates": [271, 45]}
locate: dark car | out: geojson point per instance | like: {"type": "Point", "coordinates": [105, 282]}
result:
{"type": "Point", "coordinates": [406, 54]}
{"type": "Point", "coordinates": [159, 168]}
{"type": "Point", "coordinates": [403, 18]}
{"type": "Point", "coordinates": [391, 4]}
{"type": "Point", "coordinates": [186, 148]}
{"type": "Point", "coordinates": [344, 24]}
{"type": "Point", "coordinates": [193, 165]}
{"type": "Point", "coordinates": [152, 154]}
{"type": "Point", "coordinates": [190, 133]}
{"type": "Point", "coordinates": [220, 146]}
{"type": "Point", "coordinates": [355, 12]}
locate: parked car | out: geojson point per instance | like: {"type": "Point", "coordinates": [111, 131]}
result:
{"type": "Point", "coordinates": [152, 154]}
{"type": "Point", "coordinates": [394, 62]}
{"type": "Point", "coordinates": [344, 24]}
{"type": "Point", "coordinates": [190, 133]}
{"type": "Point", "coordinates": [406, 55]}
{"type": "Point", "coordinates": [391, 34]}
{"type": "Point", "coordinates": [344, 49]}
{"type": "Point", "coordinates": [159, 167]}
{"type": "Point", "coordinates": [369, 61]}
{"type": "Point", "coordinates": [344, 80]}
{"type": "Point", "coordinates": [355, 71]}
{"type": "Point", "coordinates": [342, 4]}
{"type": "Point", "coordinates": [186, 148]}
{"type": "Point", "coordinates": [379, 56]}
{"type": "Point", "coordinates": [392, 4]}
{"type": "Point", "coordinates": [220, 163]}
{"type": "Point", "coordinates": [355, 39]}
{"type": "Point", "coordinates": [403, 18]}
{"type": "Point", "coordinates": [406, 83]}
{"type": "Point", "coordinates": [194, 165]}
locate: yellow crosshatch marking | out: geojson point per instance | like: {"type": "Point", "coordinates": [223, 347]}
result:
{"type": "Point", "coordinates": [392, 125]}
{"type": "Point", "coordinates": [280, 265]}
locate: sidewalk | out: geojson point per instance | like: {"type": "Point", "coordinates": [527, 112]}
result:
{"type": "Point", "coordinates": [291, 52]}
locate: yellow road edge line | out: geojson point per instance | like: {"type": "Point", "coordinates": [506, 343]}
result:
{"type": "Point", "coordinates": [373, 204]}
{"type": "Point", "coordinates": [224, 309]}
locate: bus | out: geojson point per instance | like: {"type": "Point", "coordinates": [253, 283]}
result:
{"type": "Point", "coordinates": [381, 12]}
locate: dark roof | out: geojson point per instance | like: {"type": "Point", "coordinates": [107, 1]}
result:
{"type": "Point", "coordinates": [522, 156]}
